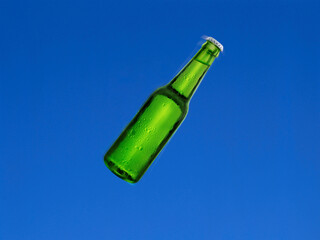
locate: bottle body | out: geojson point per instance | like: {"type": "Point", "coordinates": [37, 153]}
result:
{"type": "Point", "coordinates": [160, 116]}
{"type": "Point", "coordinates": [145, 136]}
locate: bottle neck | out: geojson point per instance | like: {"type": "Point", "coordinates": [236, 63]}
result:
{"type": "Point", "coordinates": [189, 78]}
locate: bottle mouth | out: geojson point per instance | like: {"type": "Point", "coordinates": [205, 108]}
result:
{"type": "Point", "coordinates": [215, 42]}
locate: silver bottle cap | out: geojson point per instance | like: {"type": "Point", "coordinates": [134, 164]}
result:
{"type": "Point", "coordinates": [215, 42]}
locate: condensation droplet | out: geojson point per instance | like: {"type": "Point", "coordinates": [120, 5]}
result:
{"type": "Point", "coordinates": [138, 148]}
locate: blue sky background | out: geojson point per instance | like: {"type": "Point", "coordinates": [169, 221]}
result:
{"type": "Point", "coordinates": [243, 165]}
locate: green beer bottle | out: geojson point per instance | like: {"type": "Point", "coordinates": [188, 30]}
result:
{"type": "Point", "coordinates": [160, 116]}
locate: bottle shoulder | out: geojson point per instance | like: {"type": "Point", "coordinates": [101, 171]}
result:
{"type": "Point", "coordinates": [169, 92]}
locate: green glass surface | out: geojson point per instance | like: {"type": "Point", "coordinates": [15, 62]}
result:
{"type": "Point", "coordinates": [160, 116]}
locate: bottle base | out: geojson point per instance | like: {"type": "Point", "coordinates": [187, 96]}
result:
{"type": "Point", "coordinates": [118, 171]}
